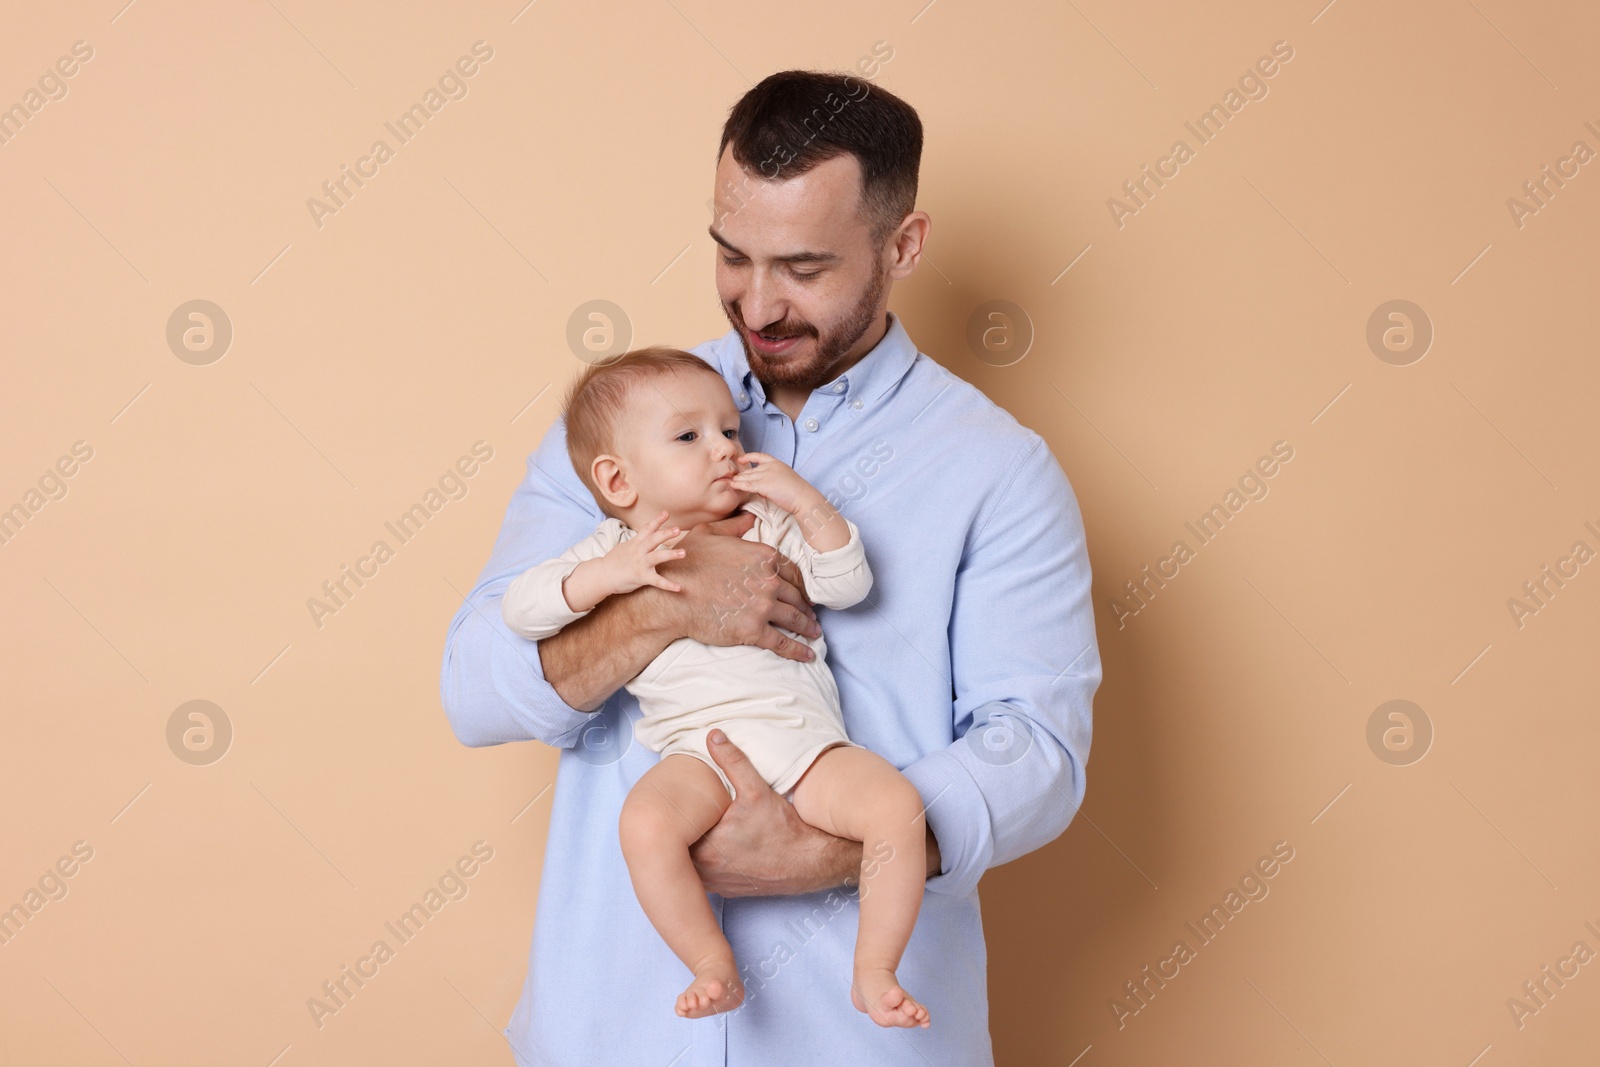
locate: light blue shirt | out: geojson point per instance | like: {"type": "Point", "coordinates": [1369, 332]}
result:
{"type": "Point", "coordinates": [971, 666]}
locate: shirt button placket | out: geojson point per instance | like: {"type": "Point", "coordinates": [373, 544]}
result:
{"type": "Point", "coordinates": [782, 432]}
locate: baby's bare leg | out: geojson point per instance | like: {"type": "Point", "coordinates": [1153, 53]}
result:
{"type": "Point", "coordinates": [671, 807]}
{"type": "Point", "coordinates": [857, 794]}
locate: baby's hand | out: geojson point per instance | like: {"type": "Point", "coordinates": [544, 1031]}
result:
{"type": "Point", "coordinates": [632, 563]}
{"type": "Point", "coordinates": [775, 480]}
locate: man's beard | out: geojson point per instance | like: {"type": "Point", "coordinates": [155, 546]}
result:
{"type": "Point", "coordinates": [830, 348]}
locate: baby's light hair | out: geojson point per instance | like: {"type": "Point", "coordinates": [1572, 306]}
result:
{"type": "Point", "coordinates": [599, 397]}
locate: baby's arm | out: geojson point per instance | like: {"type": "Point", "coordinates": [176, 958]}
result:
{"type": "Point", "coordinates": [824, 544]}
{"type": "Point", "coordinates": [547, 597]}
{"type": "Point", "coordinates": [629, 565]}
{"type": "Point", "coordinates": [823, 528]}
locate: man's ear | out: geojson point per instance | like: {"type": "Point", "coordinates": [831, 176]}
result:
{"type": "Point", "coordinates": [905, 244]}
{"type": "Point", "coordinates": [612, 481]}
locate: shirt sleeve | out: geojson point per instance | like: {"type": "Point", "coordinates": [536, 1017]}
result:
{"type": "Point", "coordinates": [534, 605]}
{"type": "Point", "coordinates": [492, 682]}
{"type": "Point", "coordinates": [838, 578]}
{"type": "Point", "coordinates": [1025, 666]}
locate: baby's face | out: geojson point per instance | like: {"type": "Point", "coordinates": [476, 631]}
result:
{"type": "Point", "coordinates": [678, 440]}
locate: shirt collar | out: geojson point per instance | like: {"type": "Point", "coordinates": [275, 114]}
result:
{"type": "Point", "coordinates": [872, 376]}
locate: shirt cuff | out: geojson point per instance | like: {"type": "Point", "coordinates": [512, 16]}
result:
{"type": "Point", "coordinates": [958, 815]}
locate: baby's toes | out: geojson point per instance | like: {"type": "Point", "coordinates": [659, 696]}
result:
{"type": "Point", "coordinates": [902, 1009]}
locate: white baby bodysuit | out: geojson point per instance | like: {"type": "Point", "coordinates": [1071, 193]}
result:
{"type": "Point", "coordinates": [781, 713]}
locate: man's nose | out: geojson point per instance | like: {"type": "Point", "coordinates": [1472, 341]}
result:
{"type": "Point", "coordinates": [762, 304]}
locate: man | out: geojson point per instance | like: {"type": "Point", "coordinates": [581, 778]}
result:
{"type": "Point", "coordinates": [972, 665]}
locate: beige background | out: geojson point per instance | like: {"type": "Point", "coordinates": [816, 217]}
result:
{"type": "Point", "coordinates": [429, 313]}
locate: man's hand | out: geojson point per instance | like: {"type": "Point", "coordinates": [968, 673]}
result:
{"type": "Point", "coordinates": [734, 592]}
{"type": "Point", "coordinates": [762, 848]}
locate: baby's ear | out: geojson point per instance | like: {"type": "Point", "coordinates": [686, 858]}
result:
{"type": "Point", "coordinates": [612, 481]}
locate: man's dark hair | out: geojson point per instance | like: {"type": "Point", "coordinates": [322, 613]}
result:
{"type": "Point", "coordinates": [796, 119]}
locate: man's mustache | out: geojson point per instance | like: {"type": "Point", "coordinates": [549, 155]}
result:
{"type": "Point", "coordinates": [780, 331]}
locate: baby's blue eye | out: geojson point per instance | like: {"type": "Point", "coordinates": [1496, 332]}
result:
{"type": "Point", "coordinates": [730, 434]}
{"type": "Point", "coordinates": [687, 435]}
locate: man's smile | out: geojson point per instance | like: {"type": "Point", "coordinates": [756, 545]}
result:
{"type": "Point", "coordinates": [773, 346]}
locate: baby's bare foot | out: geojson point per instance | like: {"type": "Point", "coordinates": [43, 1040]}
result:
{"type": "Point", "coordinates": [716, 988]}
{"type": "Point", "coordinates": [889, 1004]}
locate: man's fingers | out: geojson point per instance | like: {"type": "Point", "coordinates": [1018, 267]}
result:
{"type": "Point", "coordinates": [734, 763]}
{"type": "Point", "coordinates": [733, 524]}
{"type": "Point", "coordinates": [787, 647]}
{"type": "Point", "coordinates": [793, 611]}
{"type": "Point", "coordinates": [793, 619]}
{"type": "Point", "coordinates": [790, 573]}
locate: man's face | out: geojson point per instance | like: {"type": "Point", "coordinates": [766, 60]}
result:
{"type": "Point", "coordinates": [798, 273]}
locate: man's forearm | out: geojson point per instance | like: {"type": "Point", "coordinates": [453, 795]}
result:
{"type": "Point", "coordinates": [843, 862]}
{"type": "Point", "coordinates": [591, 658]}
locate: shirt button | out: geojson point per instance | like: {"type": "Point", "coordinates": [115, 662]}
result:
{"type": "Point", "coordinates": [856, 403]}
{"type": "Point", "coordinates": [811, 424]}
{"type": "Point", "coordinates": [838, 387]}
{"type": "Point", "coordinates": [743, 396]}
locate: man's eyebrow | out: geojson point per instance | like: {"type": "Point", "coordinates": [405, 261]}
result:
{"type": "Point", "coordinates": [793, 257]}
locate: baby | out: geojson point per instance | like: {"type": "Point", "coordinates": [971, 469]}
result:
{"type": "Point", "coordinates": [654, 434]}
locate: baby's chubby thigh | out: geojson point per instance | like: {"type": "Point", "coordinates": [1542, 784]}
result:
{"type": "Point", "coordinates": [672, 804]}
{"type": "Point", "coordinates": [852, 792]}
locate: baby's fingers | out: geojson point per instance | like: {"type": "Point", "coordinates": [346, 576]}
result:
{"type": "Point", "coordinates": [755, 457]}
{"type": "Point", "coordinates": [662, 583]}
{"type": "Point", "coordinates": [661, 555]}
{"type": "Point", "coordinates": [651, 526]}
